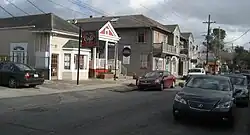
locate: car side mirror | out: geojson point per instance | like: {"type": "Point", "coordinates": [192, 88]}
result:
{"type": "Point", "coordinates": [181, 84]}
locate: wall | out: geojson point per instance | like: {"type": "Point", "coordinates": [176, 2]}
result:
{"type": "Point", "coordinates": [160, 37]}
{"type": "Point", "coordinates": [57, 43]}
{"type": "Point", "coordinates": [8, 36]}
{"type": "Point", "coordinates": [71, 74]}
{"type": "Point", "coordinates": [129, 38]}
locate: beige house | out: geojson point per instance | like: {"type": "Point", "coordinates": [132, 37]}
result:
{"type": "Point", "coordinates": [46, 42]}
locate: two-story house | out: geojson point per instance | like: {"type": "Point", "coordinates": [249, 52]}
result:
{"type": "Point", "coordinates": [154, 46]}
{"type": "Point", "coordinates": [192, 49]}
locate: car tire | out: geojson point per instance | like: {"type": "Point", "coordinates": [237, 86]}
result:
{"type": "Point", "coordinates": [13, 83]}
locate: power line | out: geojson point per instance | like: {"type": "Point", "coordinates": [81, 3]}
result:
{"type": "Point", "coordinates": [66, 7]}
{"type": "Point", "coordinates": [238, 37]}
{"type": "Point", "coordinates": [89, 7]}
{"type": "Point", "coordinates": [17, 7]}
{"type": "Point", "coordinates": [6, 11]}
{"type": "Point", "coordinates": [94, 9]}
{"type": "Point", "coordinates": [35, 6]}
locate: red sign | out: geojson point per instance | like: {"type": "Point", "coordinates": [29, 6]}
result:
{"type": "Point", "coordinates": [89, 38]}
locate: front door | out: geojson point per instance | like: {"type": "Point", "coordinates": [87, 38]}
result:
{"type": "Point", "coordinates": [54, 66]}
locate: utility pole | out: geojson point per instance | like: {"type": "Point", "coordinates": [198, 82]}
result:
{"type": "Point", "coordinates": [217, 51]}
{"type": "Point", "coordinates": [209, 22]}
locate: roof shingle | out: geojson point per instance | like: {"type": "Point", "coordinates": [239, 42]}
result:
{"type": "Point", "coordinates": [40, 21]}
{"type": "Point", "coordinates": [127, 21]}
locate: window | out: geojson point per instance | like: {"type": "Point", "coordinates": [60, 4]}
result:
{"type": "Point", "coordinates": [141, 37]}
{"type": "Point", "coordinates": [24, 67]}
{"type": "Point", "coordinates": [83, 62]}
{"type": "Point", "coordinates": [165, 39]}
{"type": "Point", "coordinates": [209, 83]}
{"type": "Point", "coordinates": [67, 61]}
{"type": "Point", "coordinates": [176, 41]}
{"type": "Point", "coordinates": [153, 74]}
{"type": "Point", "coordinates": [144, 61]}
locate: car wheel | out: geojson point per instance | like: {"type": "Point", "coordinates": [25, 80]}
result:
{"type": "Point", "coordinates": [13, 83]}
{"type": "Point", "coordinates": [162, 86]}
{"type": "Point", "coordinates": [173, 84]}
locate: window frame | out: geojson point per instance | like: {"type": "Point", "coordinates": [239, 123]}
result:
{"type": "Point", "coordinates": [69, 61]}
{"type": "Point", "coordinates": [141, 34]}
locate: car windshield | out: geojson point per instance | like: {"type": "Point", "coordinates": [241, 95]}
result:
{"type": "Point", "coordinates": [153, 74]}
{"type": "Point", "coordinates": [238, 80]}
{"type": "Point", "coordinates": [24, 67]}
{"type": "Point", "coordinates": [210, 83]}
{"type": "Point", "coordinates": [194, 70]}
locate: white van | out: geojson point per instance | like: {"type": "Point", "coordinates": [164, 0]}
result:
{"type": "Point", "coordinates": [196, 71]}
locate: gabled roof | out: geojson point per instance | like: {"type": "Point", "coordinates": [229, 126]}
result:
{"type": "Point", "coordinates": [186, 35]}
{"type": "Point", "coordinates": [171, 27]}
{"type": "Point", "coordinates": [40, 21]}
{"type": "Point", "coordinates": [71, 44]}
{"type": "Point", "coordinates": [127, 21]}
{"type": "Point", "coordinates": [91, 26]}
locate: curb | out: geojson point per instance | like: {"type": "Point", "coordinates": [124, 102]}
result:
{"type": "Point", "coordinates": [124, 89]}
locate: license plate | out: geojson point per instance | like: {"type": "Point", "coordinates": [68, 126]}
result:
{"type": "Point", "coordinates": [35, 75]}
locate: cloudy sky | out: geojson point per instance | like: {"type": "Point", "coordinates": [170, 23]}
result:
{"type": "Point", "coordinates": [230, 15]}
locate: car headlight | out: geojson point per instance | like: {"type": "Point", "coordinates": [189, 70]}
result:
{"type": "Point", "coordinates": [224, 105]}
{"type": "Point", "coordinates": [157, 81]}
{"type": "Point", "coordinates": [179, 99]}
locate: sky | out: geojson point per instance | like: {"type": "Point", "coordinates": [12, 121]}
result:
{"type": "Point", "coordinates": [230, 15]}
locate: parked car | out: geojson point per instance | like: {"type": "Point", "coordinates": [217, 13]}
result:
{"type": "Point", "coordinates": [18, 74]}
{"type": "Point", "coordinates": [240, 82]}
{"type": "Point", "coordinates": [196, 71]}
{"type": "Point", "coordinates": [206, 96]}
{"type": "Point", "coordinates": [156, 80]}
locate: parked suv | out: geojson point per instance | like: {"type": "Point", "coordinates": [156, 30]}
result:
{"type": "Point", "coordinates": [18, 74]}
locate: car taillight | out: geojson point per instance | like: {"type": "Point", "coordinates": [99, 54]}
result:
{"type": "Point", "coordinates": [27, 76]}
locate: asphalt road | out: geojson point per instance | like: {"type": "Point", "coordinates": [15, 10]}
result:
{"type": "Point", "coordinates": [106, 113]}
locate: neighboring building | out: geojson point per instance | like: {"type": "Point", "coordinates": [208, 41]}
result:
{"type": "Point", "coordinates": [192, 49]}
{"type": "Point", "coordinates": [46, 42]}
{"type": "Point", "coordinates": [153, 45]}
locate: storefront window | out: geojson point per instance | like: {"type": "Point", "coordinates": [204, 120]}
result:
{"type": "Point", "coordinates": [67, 61]}
{"type": "Point", "coordinates": [83, 62]}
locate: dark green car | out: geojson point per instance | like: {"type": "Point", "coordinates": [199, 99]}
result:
{"type": "Point", "coordinates": [17, 74]}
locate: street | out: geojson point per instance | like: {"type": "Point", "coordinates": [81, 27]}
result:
{"type": "Point", "coordinates": [105, 113]}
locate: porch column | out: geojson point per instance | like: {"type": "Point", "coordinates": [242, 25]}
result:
{"type": "Point", "coordinates": [106, 55]}
{"type": "Point", "coordinates": [60, 66]}
{"type": "Point", "coordinates": [94, 60]}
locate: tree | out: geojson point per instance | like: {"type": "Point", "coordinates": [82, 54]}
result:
{"type": "Point", "coordinates": [241, 57]}
{"type": "Point", "coordinates": [218, 39]}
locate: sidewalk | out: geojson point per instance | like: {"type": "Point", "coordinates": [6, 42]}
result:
{"type": "Point", "coordinates": [68, 84]}
{"type": "Point", "coordinates": [53, 87]}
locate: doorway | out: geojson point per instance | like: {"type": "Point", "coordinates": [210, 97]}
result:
{"type": "Point", "coordinates": [54, 66]}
